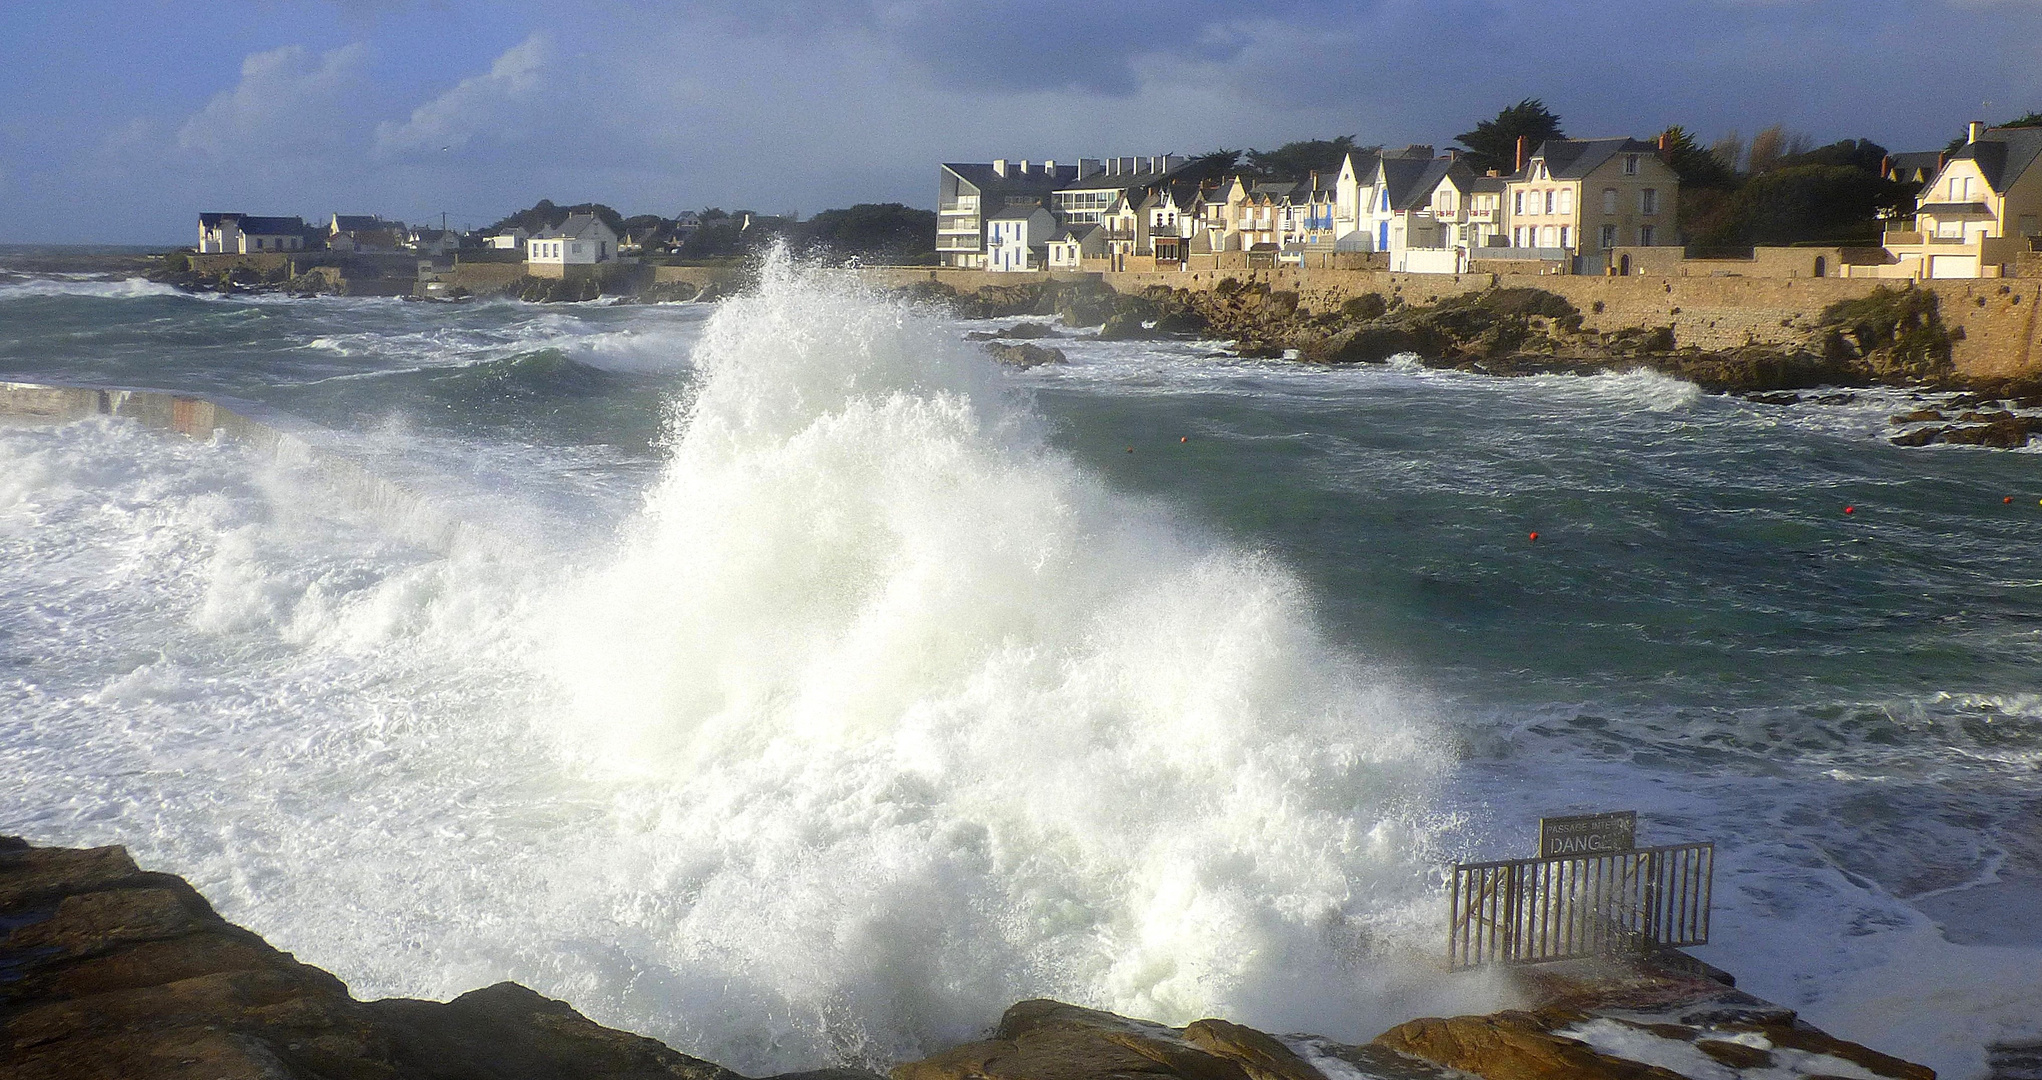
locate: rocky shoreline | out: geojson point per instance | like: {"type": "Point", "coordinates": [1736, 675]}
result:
{"type": "Point", "coordinates": [108, 970]}
{"type": "Point", "coordinates": [1894, 337]}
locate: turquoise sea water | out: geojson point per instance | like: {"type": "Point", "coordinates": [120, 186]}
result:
{"type": "Point", "coordinates": [803, 614]}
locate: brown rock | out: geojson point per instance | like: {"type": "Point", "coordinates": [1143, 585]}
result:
{"type": "Point", "coordinates": [1024, 355]}
{"type": "Point", "coordinates": [1735, 1054]}
{"type": "Point", "coordinates": [1259, 1054]}
{"type": "Point", "coordinates": [1511, 1045]}
{"type": "Point", "coordinates": [1049, 1040]}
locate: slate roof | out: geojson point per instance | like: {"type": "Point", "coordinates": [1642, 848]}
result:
{"type": "Point", "coordinates": [1915, 165]}
{"type": "Point", "coordinates": [1411, 180]}
{"type": "Point", "coordinates": [2004, 155]}
{"type": "Point", "coordinates": [360, 223]}
{"type": "Point", "coordinates": [576, 227]}
{"type": "Point", "coordinates": [1102, 181]}
{"type": "Point", "coordinates": [257, 226]}
{"type": "Point", "coordinates": [1017, 213]}
{"type": "Point", "coordinates": [1572, 159]}
{"type": "Point", "coordinates": [1072, 232]}
{"type": "Point", "coordinates": [981, 176]}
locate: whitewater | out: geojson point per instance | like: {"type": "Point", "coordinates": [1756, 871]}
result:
{"type": "Point", "coordinates": [811, 688]}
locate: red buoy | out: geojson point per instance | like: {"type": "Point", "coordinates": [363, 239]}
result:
{"type": "Point", "coordinates": [1187, 438]}
{"type": "Point", "coordinates": [1535, 536]}
{"type": "Point", "coordinates": [1850, 509]}
{"type": "Point", "coordinates": [2008, 499]}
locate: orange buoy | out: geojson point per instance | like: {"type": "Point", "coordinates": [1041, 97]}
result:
{"type": "Point", "coordinates": [1130, 449]}
{"type": "Point", "coordinates": [1187, 438]}
{"type": "Point", "coordinates": [2008, 499]}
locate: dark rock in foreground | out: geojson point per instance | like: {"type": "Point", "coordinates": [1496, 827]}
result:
{"type": "Point", "coordinates": [111, 971]}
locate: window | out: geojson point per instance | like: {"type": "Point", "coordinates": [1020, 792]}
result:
{"type": "Point", "coordinates": [1648, 201]}
{"type": "Point", "coordinates": [1645, 235]}
{"type": "Point", "coordinates": [1630, 164]}
{"type": "Point", "coordinates": [1566, 202]}
{"type": "Point", "coordinates": [1517, 202]}
{"type": "Point", "coordinates": [1549, 202]}
{"type": "Point", "coordinates": [1608, 237]}
{"type": "Point", "coordinates": [1960, 188]}
{"type": "Point", "coordinates": [1609, 200]}
{"type": "Point", "coordinates": [1566, 236]}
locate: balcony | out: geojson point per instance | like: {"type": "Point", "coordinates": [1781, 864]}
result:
{"type": "Point", "coordinates": [957, 243]}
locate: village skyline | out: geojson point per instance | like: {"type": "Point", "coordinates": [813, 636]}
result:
{"type": "Point", "coordinates": [127, 116]}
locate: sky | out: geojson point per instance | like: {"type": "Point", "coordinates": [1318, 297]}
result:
{"type": "Point", "coordinates": [120, 122]}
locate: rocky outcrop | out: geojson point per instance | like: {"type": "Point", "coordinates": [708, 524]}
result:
{"type": "Point", "coordinates": [1024, 355]}
{"type": "Point", "coordinates": [111, 971]}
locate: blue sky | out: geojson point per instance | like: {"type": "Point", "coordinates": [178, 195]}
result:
{"type": "Point", "coordinates": [122, 121]}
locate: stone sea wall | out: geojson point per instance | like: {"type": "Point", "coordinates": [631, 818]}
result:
{"type": "Point", "coordinates": [1996, 336]}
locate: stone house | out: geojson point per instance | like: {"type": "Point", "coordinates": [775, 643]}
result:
{"type": "Point", "coordinates": [1980, 212]}
{"type": "Point", "coordinates": [1576, 200]}
{"type": "Point", "coordinates": [242, 234]}
{"type": "Point", "coordinates": [580, 243]}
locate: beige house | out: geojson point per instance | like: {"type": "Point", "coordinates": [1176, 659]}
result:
{"type": "Point", "coordinates": [1982, 208]}
{"type": "Point", "coordinates": [1578, 199]}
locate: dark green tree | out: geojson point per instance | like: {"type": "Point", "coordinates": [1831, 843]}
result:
{"type": "Point", "coordinates": [1493, 143]}
{"type": "Point", "coordinates": [1697, 165]}
{"type": "Point", "coordinates": [889, 233]}
{"type": "Point", "coordinates": [544, 215]}
{"type": "Point", "coordinates": [1797, 204]}
{"type": "Point", "coordinates": [1297, 160]}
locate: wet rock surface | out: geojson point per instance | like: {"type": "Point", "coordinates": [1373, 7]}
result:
{"type": "Point", "coordinates": [107, 970]}
{"type": "Point", "coordinates": [1024, 355]}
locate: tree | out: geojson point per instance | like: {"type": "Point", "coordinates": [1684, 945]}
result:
{"type": "Point", "coordinates": [873, 232]}
{"type": "Point", "coordinates": [1813, 203]}
{"type": "Point", "coordinates": [1210, 166]}
{"type": "Point", "coordinates": [1770, 147]}
{"type": "Point", "coordinates": [1854, 153]}
{"type": "Point", "coordinates": [1698, 168]}
{"type": "Point", "coordinates": [1493, 143]}
{"type": "Point", "coordinates": [545, 215]}
{"type": "Point", "coordinates": [1295, 161]}
{"type": "Point", "coordinates": [2033, 119]}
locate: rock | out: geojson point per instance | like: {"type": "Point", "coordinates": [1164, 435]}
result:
{"type": "Point", "coordinates": [1512, 1045]}
{"type": "Point", "coordinates": [111, 971]}
{"type": "Point", "coordinates": [1259, 1055]}
{"type": "Point", "coordinates": [1736, 1054]}
{"type": "Point", "coordinates": [1125, 326]}
{"type": "Point", "coordinates": [1026, 331]}
{"type": "Point", "coordinates": [2006, 432]}
{"type": "Point", "coordinates": [1025, 355]}
{"type": "Point", "coordinates": [1917, 416]}
{"type": "Point", "coordinates": [1919, 436]}
{"type": "Point", "coordinates": [1773, 399]}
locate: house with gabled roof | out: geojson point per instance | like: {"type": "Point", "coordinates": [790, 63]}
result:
{"type": "Point", "coordinates": [364, 233]}
{"type": "Point", "coordinates": [576, 245]}
{"type": "Point", "coordinates": [1981, 210]}
{"type": "Point", "coordinates": [1577, 200]}
{"type": "Point", "coordinates": [1017, 238]}
{"type": "Point", "coordinates": [1069, 247]}
{"type": "Point", "coordinates": [242, 234]}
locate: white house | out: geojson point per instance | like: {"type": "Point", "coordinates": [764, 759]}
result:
{"type": "Point", "coordinates": [581, 240]}
{"type": "Point", "coordinates": [1980, 211]}
{"type": "Point", "coordinates": [242, 234]}
{"type": "Point", "coordinates": [432, 242]}
{"type": "Point", "coordinates": [1017, 238]}
{"type": "Point", "coordinates": [511, 239]}
{"type": "Point", "coordinates": [1071, 245]}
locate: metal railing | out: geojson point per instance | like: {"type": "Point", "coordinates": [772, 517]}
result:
{"type": "Point", "coordinates": [1527, 911]}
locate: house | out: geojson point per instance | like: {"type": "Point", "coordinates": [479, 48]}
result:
{"type": "Point", "coordinates": [1017, 238]}
{"type": "Point", "coordinates": [581, 242]}
{"type": "Point", "coordinates": [1167, 219]}
{"type": "Point", "coordinates": [967, 195]}
{"type": "Point", "coordinates": [1121, 229]}
{"type": "Point", "coordinates": [1102, 185]}
{"type": "Point", "coordinates": [1577, 200]}
{"type": "Point", "coordinates": [365, 233]}
{"type": "Point", "coordinates": [1982, 208]}
{"type": "Point", "coordinates": [1308, 219]}
{"type": "Point", "coordinates": [1071, 245]}
{"type": "Point", "coordinates": [241, 234]}
{"type": "Point", "coordinates": [435, 243]}
{"type": "Point", "coordinates": [511, 239]}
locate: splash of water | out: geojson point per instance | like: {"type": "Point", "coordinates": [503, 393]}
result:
{"type": "Point", "coordinates": [908, 716]}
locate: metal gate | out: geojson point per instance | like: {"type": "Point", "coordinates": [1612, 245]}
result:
{"type": "Point", "coordinates": [1524, 911]}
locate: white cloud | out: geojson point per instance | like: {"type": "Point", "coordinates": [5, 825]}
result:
{"type": "Point", "coordinates": [288, 101]}
{"type": "Point", "coordinates": [498, 104]}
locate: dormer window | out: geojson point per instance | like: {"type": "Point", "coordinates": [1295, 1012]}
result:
{"type": "Point", "coordinates": [1630, 164]}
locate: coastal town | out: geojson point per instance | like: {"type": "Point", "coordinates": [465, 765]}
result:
{"type": "Point", "coordinates": [1544, 206]}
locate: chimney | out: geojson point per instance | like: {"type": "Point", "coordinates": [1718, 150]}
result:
{"type": "Point", "coordinates": [1942, 159]}
{"type": "Point", "coordinates": [1126, 165]}
{"type": "Point", "coordinates": [1494, 173]}
{"type": "Point", "coordinates": [1977, 129]}
{"type": "Point", "coordinates": [1049, 168]}
{"type": "Point", "coordinates": [1523, 151]}
{"type": "Point", "coordinates": [1666, 147]}
{"type": "Point", "coordinates": [1000, 167]}
{"type": "Point", "coordinates": [1886, 167]}
{"type": "Point", "coordinates": [1087, 166]}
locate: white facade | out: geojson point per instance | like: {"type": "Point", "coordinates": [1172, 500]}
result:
{"type": "Point", "coordinates": [1013, 237]}
{"type": "Point", "coordinates": [244, 234]}
{"type": "Point", "coordinates": [581, 240]}
{"type": "Point", "coordinates": [514, 240]}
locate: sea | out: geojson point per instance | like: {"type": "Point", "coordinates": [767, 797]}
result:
{"type": "Point", "coordinates": [804, 687]}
